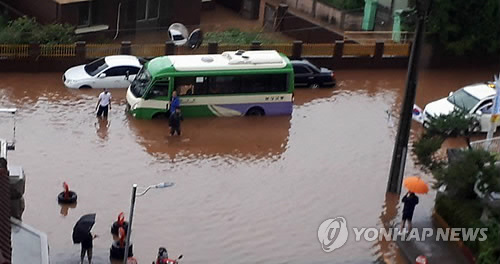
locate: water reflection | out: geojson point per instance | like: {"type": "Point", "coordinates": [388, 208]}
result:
{"type": "Point", "coordinates": [234, 138]}
{"type": "Point", "coordinates": [388, 250]}
{"type": "Point", "coordinates": [65, 208]}
{"type": "Point", "coordinates": [102, 125]}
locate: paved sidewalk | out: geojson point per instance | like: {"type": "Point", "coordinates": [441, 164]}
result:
{"type": "Point", "coordinates": [437, 252]}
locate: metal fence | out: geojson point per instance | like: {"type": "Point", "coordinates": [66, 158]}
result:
{"type": "Point", "coordinates": [101, 50]}
{"type": "Point", "coordinates": [92, 51]}
{"type": "Point", "coordinates": [492, 145]}
{"type": "Point", "coordinates": [367, 37]}
{"type": "Point", "coordinates": [148, 50]}
{"type": "Point", "coordinates": [320, 50]}
{"type": "Point", "coordinates": [391, 50]}
{"type": "Point", "coordinates": [58, 50]}
{"type": "Point", "coordinates": [8, 50]}
{"type": "Point", "coordinates": [285, 48]}
{"type": "Point", "coordinates": [359, 50]}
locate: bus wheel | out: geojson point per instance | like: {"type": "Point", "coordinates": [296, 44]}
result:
{"type": "Point", "coordinates": [255, 111]}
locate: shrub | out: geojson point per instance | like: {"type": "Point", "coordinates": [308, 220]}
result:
{"type": "Point", "coordinates": [461, 176]}
{"type": "Point", "coordinates": [425, 148]}
{"type": "Point", "coordinates": [457, 123]}
{"type": "Point", "coordinates": [235, 36]}
{"type": "Point", "coordinates": [460, 213]}
{"type": "Point", "coordinates": [26, 30]}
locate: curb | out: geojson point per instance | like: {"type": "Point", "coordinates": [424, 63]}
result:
{"type": "Point", "coordinates": [441, 223]}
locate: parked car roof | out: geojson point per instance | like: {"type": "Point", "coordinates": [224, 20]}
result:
{"type": "Point", "coordinates": [122, 60]}
{"type": "Point", "coordinates": [480, 90]}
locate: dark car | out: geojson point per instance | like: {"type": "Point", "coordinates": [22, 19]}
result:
{"type": "Point", "coordinates": [307, 74]}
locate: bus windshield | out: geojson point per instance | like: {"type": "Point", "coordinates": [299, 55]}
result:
{"type": "Point", "coordinates": [140, 83]}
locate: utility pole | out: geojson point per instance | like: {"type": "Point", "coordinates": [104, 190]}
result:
{"type": "Point", "coordinates": [401, 144]}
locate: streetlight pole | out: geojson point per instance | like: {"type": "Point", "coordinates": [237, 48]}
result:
{"type": "Point", "coordinates": [131, 214]}
{"type": "Point", "coordinates": [401, 144]}
{"type": "Point", "coordinates": [129, 227]}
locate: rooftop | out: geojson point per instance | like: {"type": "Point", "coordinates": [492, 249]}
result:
{"type": "Point", "coordinates": [230, 60]}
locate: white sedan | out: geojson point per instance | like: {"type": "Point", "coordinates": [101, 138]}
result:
{"type": "Point", "coordinates": [108, 72]}
{"type": "Point", "coordinates": [476, 99]}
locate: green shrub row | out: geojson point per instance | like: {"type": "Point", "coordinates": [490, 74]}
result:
{"type": "Point", "coordinates": [235, 36]}
{"type": "Point", "coordinates": [26, 30]}
{"type": "Point", "coordinates": [466, 214]}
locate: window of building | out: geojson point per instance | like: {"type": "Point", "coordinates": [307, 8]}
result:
{"type": "Point", "coordinates": [84, 14]}
{"type": "Point", "coordinates": [148, 9]}
{"type": "Point", "coordinates": [88, 14]}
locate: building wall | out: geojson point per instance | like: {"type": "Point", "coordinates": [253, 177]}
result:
{"type": "Point", "coordinates": [187, 12]}
{"type": "Point", "coordinates": [44, 10]}
{"type": "Point", "coordinates": [294, 25]}
{"type": "Point", "coordinates": [235, 5]}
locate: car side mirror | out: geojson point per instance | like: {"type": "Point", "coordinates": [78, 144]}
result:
{"type": "Point", "coordinates": [450, 94]}
{"type": "Point", "coordinates": [127, 75]}
{"type": "Point", "coordinates": [101, 76]}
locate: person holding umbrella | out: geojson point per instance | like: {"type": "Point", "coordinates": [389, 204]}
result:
{"type": "Point", "coordinates": [410, 200]}
{"type": "Point", "coordinates": [82, 234]}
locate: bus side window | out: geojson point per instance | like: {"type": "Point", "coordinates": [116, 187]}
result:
{"type": "Point", "coordinates": [159, 89]}
{"type": "Point", "coordinates": [256, 83]}
{"type": "Point", "coordinates": [279, 83]}
{"type": "Point", "coordinates": [185, 86]}
{"type": "Point", "coordinates": [201, 86]}
{"type": "Point", "coordinates": [224, 84]}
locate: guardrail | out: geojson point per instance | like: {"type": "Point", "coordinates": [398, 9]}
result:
{"type": "Point", "coordinates": [338, 54]}
{"type": "Point", "coordinates": [58, 50]}
{"type": "Point", "coordinates": [14, 51]}
{"type": "Point", "coordinates": [367, 37]}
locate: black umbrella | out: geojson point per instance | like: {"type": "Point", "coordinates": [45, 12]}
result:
{"type": "Point", "coordinates": [82, 228]}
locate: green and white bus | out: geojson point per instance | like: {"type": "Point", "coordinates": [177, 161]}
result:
{"type": "Point", "coordinates": [233, 83]}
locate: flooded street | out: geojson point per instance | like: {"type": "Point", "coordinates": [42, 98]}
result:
{"type": "Point", "coordinates": [247, 190]}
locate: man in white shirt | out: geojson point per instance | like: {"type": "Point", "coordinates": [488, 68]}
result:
{"type": "Point", "coordinates": [103, 103]}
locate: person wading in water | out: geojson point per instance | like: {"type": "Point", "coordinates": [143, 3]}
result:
{"type": "Point", "coordinates": [103, 103]}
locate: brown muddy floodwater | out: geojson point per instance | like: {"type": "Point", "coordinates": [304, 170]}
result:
{"type": "Point", "coordinates": [247, 190]}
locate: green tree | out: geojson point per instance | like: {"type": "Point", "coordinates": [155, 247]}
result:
{"type": "Point", "coordinates": [465, 27]}
{"type": "Point", "coordinates": [25, 30]}
{"type": "Point", "coordinates": [461, 176]}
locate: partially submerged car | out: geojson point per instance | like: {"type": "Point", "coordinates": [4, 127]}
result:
{"type": "Point", "coordinates": [475, 99]}
{"type": "Point", "coordinates": [308, 75]}
{"type": "Point", "coordinates": [109, 72]}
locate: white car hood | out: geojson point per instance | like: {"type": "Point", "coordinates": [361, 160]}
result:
{"type": "Point", "coordinates": [76, 73]}
{"type": "Point", "coordinates": [439, 107]}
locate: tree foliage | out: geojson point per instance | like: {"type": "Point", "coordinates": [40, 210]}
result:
{"type": "Point", "coordinates": [461, 176]}
{"type": "Point", "coordinates": [26, 30]}
{"type": "Point", "coordinates": [465, 27]}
